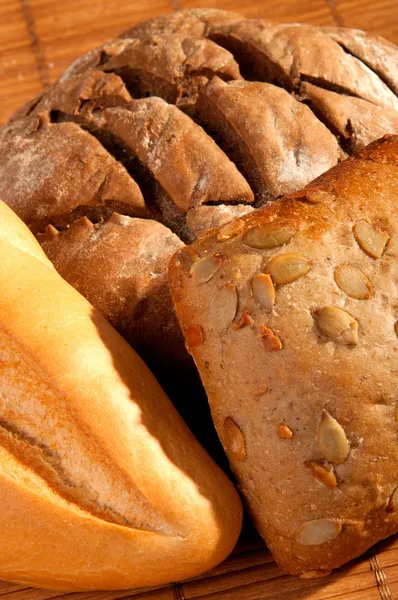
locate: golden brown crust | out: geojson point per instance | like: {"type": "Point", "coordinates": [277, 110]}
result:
{"type": "Point", "coordinates": [323, 494]}
{"type": "Point", "coordinates": [85, 432]}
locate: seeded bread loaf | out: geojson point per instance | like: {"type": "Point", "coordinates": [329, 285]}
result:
{"type": "Point", "coordinates": [102, 485]}
{"type": "Point", "coordinates": [290, 314]}
{"type": "Point", "coordinates": [189, 119]}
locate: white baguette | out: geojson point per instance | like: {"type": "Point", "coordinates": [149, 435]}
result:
{"type": "Point", "coordinates": [102, 486]}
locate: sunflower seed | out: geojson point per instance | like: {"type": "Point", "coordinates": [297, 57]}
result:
{"type": "Point", "coordinates": [203, 269]}
{"type": "Point", "coordinates": [229, 230]}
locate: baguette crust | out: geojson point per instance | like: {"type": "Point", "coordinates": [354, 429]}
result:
{"type": "Point", "coordinates": [298, 354]}
{"type": "Point", "coordinates": [102, 486]}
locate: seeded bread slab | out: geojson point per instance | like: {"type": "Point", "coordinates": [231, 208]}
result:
{"type": "Point", "coordinates": [290, 314]}
{"type": "Point", "coordinates": [189, 120]}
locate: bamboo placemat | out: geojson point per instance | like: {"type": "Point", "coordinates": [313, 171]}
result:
{"type": "Point", "coordinates": [38, 40]}
{"type": "Point", "coordinates": [250, 574]}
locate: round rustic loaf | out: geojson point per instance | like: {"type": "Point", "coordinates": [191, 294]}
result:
{"type": "Point", "coordinates": [177, 126]}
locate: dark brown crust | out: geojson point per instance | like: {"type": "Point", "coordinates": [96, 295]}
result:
{"type": "Point", "coordinates": [376, 52]}
{"type": "Point", "coordinates": [184, 160]}
{"type": "Point", "coordinates": [184, 22]}
{"type": "Point", "coordinates": [176, 55]}
{"type": "Point", "coordinates": [355, 120]}
{"type": "Point", "coordinates": [275, 140]}
{"type": "Point", "coordinates": [289, 54]}
{"type": "Point", "coordinates": [84, 93]}
{"type": "Point", "coordinates": [199, 21]}
{"type": "Point", "coordinates": [246, 40]}
{"type": "Point", "coordinates": [117, 255]}
{"type": "Point", "coordinates": [172, 67]}
{"type": "Point", "coordinates": [65, 169]}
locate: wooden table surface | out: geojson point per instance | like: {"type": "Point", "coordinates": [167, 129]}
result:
{"type": "Point", "coordinates": [38, 40]}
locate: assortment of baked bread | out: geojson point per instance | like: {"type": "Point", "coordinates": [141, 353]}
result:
{"type": "Point", "coordinates": [189, 119]}
{"type": "Point", "coordinates": [191, 128]}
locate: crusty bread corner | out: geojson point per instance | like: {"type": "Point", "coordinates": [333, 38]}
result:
{"type": "Point", "coordinates": [102, 486]}
{"type": "Point", "coordinates": [291, 316]}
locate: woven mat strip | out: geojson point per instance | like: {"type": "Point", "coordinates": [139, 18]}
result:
{"type": "Point", "coordinates": [380, 576]}
{"type": "Point", "coordinates": [178, 591]}
{"type": "Point", "coordinates": [252, 575]}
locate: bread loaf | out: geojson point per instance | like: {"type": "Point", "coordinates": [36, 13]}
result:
{"type": "Point", "coordinates": [102, 486]}
{"type": "Point", "coordinates": [291, 316]}
{"type": "Point", "coordinates": [116, 256]}
{"type": "Point", "coordinates": [189, 119]}
{"type": "Point", "coordinates": [125, 262]}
